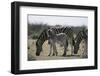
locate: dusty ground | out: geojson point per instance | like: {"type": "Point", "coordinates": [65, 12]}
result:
{"type": "Point", "coordinates": [44, 54]}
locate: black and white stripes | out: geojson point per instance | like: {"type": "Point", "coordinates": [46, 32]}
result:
{"type": "Point", "coordinates": [80, 36]}
{"type": "Point", "coordinates": [44, 36]}
{"type": "Point", "coordinates": [70, 34]}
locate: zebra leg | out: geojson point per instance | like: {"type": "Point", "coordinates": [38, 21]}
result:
{"type": "Point", "coordinates": [72, 49]}
{"type": "Point", "coordinates": [54, 50]}
{"type": "Point", "coordinates": [50, 49]}
{"type": "Point", "coordinates": [64, 54]}
{"type": "Point", "coordinates": [71, 46]}
{"type": "Point", "coordinates": [65, 48]}
{"type": "Point", "coordinates": [53, 46]}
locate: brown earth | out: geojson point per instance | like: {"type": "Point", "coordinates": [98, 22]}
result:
{"type": "Point", "coordinates": [46, 47]}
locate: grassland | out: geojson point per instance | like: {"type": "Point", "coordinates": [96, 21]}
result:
{"type": "Point", "coordinates": [46, 47]}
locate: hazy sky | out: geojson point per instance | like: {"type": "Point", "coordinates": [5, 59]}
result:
{"type": "Point", "coordinates": [63, 20]}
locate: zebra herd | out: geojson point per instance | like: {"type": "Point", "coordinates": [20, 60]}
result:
{"type": "Point", "coordinates": [62, 36]}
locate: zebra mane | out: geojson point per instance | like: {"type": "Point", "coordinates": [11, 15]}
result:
{"type": "Point", "coordinates": [81, 35]}
{"type": "Point", "coordinates": [43, 37]}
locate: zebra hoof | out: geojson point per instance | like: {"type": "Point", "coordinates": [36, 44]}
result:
{"type": "Point", "coordinates": [53, 54]}
{"type": "Point", "coordinates": [64, 55]}
{"type": "Point", "coordinates": [49, 55]}
{"type": "Point", "coordinates": [57, 54]}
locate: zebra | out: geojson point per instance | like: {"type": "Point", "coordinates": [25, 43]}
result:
{"type": "Point", "coordinates": [60, 38]}
{"type": "Point", "coordinates": [69, 32]}
{"type": "Point", "coordinates": [82, 35]}
{"type": "Point", "coordinates": [44, 36]}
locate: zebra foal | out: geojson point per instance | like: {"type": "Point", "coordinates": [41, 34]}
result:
{"type": "Point", "coordinates": [60, 38]}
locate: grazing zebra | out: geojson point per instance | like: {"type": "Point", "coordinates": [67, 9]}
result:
{"type": "Point", "coordinates": [44, 36]}
{"type": "Point", "coordinates": [60, 38]}
{"type": "Point", "coordinates": [82, 35]}
{"type": "Point", "coordinates": [70, 35]}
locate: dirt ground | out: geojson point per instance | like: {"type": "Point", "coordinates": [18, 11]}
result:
{"type": "Point", "coordinates": [46, 47]}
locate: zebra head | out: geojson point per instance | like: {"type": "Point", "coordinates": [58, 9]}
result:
{"type": "Point", "coordinates": [45, 35]}
{"type": "Point", "coordinates": [38, 48]}
{"type": "Point", "coordinates": [50, 33]}
{"type": "Point", "coordinates": [78, 40]}
{"type": "Point", "coordinates": [81, 35]}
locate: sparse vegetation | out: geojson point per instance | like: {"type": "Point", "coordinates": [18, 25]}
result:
{"type": "Point", "coordinates": [34, 30]}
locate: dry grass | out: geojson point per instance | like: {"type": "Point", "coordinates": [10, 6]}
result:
{"type": "Point", "coordinates": [46, 47]}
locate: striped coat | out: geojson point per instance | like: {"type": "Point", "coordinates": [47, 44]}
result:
{"type": "Point", "coordinates": [44, 36]}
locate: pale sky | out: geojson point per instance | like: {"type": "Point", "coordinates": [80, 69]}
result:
{"type": "Point", "coordinates": [61, 20]}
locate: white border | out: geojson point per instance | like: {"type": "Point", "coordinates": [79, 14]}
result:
{"type": "Point", "coordinates": [26, 65]}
